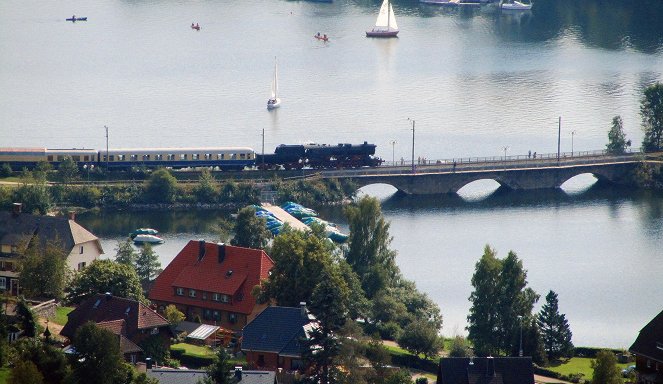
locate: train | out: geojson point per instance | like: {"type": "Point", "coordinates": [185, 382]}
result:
{"type": "Point", "coordinates": [285, 156]}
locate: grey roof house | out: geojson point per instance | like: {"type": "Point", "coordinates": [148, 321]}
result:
{"type": "Point", "coordinates": [485, 370]}
{"type": "Point", "coordinates": [273, 339]}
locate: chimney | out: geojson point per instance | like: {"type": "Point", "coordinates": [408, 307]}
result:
{"type": "Point", "coordinates": [16, 208]}
{"type": "Point", "coordinates": [302, 306]}
{"type": "Point", "coordinates": [222, 252]}
{"type": "Point", "coordinates": [238, 373]}
{"type": "Point", "coordinates": [201, 249]}
{"type": "Point", "coordinates": [148, 362]}
{"type": "Point", "coordinates": [72, 215]}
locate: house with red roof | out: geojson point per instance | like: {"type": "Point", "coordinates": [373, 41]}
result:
{"type": "Point", "coordinates": [213, 282]}
{"type": "Point", "coordinates": [130, 320]}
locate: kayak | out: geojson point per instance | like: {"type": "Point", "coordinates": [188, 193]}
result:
{"type": "Point", "coordinates": [77, 19]}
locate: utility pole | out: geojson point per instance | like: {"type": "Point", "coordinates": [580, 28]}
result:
{"type": "Point", "coordinates": [559, 135]}
{"type": "Point", "coordinates": [572, 134]}
{"type": "Point", "coordinates": [263, 148]}
{"type": "Point", "coordinates": [520, 350]}
{"type": "Point", "coordinates": [106, 148]}
{"type": "Point", "coordinates": [413, 167]}
{"type": "Point", "coordinates": [393, 148]}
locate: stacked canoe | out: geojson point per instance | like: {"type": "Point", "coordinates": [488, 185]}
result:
{"type": "Point", "coordinates": [309, 216]}
{"type": "Point", "coordinates": [146, 235]}
{"type": "Point", "coordinates": [273, 224]}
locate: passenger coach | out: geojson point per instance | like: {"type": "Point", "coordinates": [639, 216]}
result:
{"type": "Point", "coordinates": [227, 158]}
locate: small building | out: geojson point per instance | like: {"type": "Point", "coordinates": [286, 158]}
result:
{"type": "Point", "coordinates": [648, 351]}
{"type": "Point", "coordinates": [196, 376]}
{"type": "Point", "coordinates": [131, 320]}
{"type": "Point", "coordinates": [213, 282]}
{"type": "Point", "coordinates": [17, 229]}
{"type": "Point", "coordinates": [273, 339]}
{"type": "Point", "coordinates": [485, 370]}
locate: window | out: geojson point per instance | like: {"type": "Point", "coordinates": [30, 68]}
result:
{"type": "Point", "coordinates": [179, 291]}
{"type": "Point", "coordinates": [134, 157]}
{"type": "Point", "coordinates": [155, 331]}
{"type": "Point", "coordinates": [195, 156]}
{"type": "Point", "coordinates": [6, 248]}
{"type": "Point", "coordinates": [232, 317]}
{"type": "Point", "coordinates": [217, 315]}
{"type": "Point", "coordinates": [81, 265]}
{"type": "Point", "coordinates": [81, 250]}
{"type": "Point", "coordinates": [3, 283]}
{"type": "Point", "coordinates": [242, 155]}
{"type": "Point", "coordinates": [119, 157]}
{"type": "Point", "coordinates": [112, 157]}
{"type": "Point", "coordinates": [208, 156]}
{"type": "Point", "coordinates": [207, 314]}
{"type": "Point", "coordinates": [50, 157]}
{"type": "Point", "coordinates": [158, 157]}
{"type": "Point", "coordinates": [222, 156]}
{"type": "Point", "coordinates": [225, 298]}
{"type": "Point", "coordinates": [171, 156]}
{"type": "Point", "coordinates": [76, 158]}
{"type": "Point", "coordinates": [60, 157]}
{"type": "Point", "coordinates": [192, 293]}
{"type": "Point", "coordinates": [204, 295]}
{"type": "Point", "coordinates": [86, 158]}
{"type": "Point", "coordinates": [182, 156]}
{"type": "Point", "coordinates": [216, 296]}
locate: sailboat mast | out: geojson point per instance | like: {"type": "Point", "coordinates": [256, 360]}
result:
{"type": "Point", "coordinates": [388, 15]}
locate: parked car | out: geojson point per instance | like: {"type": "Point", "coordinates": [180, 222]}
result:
{"type": "Point", "coordinates": [626, 372]}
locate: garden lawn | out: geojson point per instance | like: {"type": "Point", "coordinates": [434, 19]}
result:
{"type": "Point", "coordinates": [194, 350]}
{"type": "Point", "coordinates": [579, 365]}
{"type": "Point", "coordinates": [61, 315]}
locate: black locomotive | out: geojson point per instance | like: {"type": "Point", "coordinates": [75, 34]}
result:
{"type": "Point", "coordinates": [319, 156]}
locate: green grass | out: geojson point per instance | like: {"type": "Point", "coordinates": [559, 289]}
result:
{"type": "Point", "coordinates": [4, 374]}
{"type": "Point", "coordinates": [194, 350]}
{"type": "Point", "coordinates": [579, 365]}
{"type": "Point", "coordinates": [394, 350]}
{"type": "Point", "coordinates": [61, 315]}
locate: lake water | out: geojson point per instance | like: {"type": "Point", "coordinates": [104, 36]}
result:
{"type": "Point", "coordinates": [475, 81]}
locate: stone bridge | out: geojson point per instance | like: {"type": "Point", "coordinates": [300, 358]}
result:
{"type": "Point", "coordinates": [516, 173]}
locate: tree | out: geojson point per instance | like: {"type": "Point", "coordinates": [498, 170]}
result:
{"type": "Point", "coordinates": [99, 359]}
{"type": "Point", "coordinates": [605, 368]}
{"type": "Point", "coordinates": [67, 170]}
{"type": "Point", "coordinates": [207, 190]}
{"type": "Point", "coordinates": [500, 301]}
{"type": "Point", "coordinates": [25, 372]}
{"type": "Point", "coordinates": [105, 276]}
{"type": "Point", "coordinates": [173, 315]}
{"type": "Point", "coordinates": [299, 261]}
{"type": "Point", "coordinates": [555, 329]}
{"type": "Point", "coordinates": [125, 253]}
{"type": "Point", "coordinates": [651, 110]}
{"type": "Point", "coordinates": [329, 306]}
{"type": "Point", "coordinates": [148, 266]}
{"type": "Point", "coordinates": [219, 371]}
{"type": "Point", "coordinates": [33, 193]}
{"type": "Point", "coordinates": [250, 230]}
{"type": "Point", "coordinates": [420, 337]}
{"type": "Point", "coordinates": [43, 270]}
{"type": "Point", "coordinates": [617, 142]}
{"type": "Point", "coordinates": [369, 253]}
{"type": "Point", "coordinates": [459, 347]}
{"type": "Point", "coordinates": [49, 360]}
{"type": "Point", "coordinates": [26, 318]}
{"type": "Point", "coordinates": [162, 186]}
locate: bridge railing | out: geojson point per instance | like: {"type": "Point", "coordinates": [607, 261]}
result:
{"type": "Point", "coordinates": [466, 164]}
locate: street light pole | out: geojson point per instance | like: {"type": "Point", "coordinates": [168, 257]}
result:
{"type": "Point", "coordinates": [572, 134]}
{"type": "Point", "coordinates": [106, 148]}
{"type": "Point", "coordinates": [393, 148]}
{"type": "Point", "coordinates": [520, 350]}
{"type": "Point", "coordinates": [263, 148]}
{"type": "Point", "coordinates": [413, 169]}
{"type": "Point", "coordinates": [559, 135]}
{"type": "Point", "coordinates": [505, 149]}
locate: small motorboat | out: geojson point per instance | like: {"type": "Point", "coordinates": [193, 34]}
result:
{"type": "Point", "coordinates": [152, 239]}
{"type": "Point", "coordinates": [143, 231]}
{"type": "Point", "coordinates": [196, 26]}
{"type": "Point", "coordinates": [516, 6]}
{"type": "Point", "coordinates": [75, 19]}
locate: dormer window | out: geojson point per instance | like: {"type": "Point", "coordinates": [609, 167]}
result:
{"type": "Point", "coordinates": [155, 331]}
{"type": "Point", "coordinates": [192, 293]}
{"type": "Point", "coordinates": [179, 291]}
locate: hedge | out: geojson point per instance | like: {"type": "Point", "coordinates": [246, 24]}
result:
{"type": "Point", "coordinates": [191, 361]}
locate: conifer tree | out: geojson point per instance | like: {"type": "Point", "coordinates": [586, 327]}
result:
{"type": "Point", "coordinates": [147, 264]}
{"type": "Point", "coordinates": [617, 142]}
{"type": "Point", "coordinates": [555, 329]}
{"type": "Point", "coordinates": [126, 254]}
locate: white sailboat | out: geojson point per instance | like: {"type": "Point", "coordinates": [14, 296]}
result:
{"type": "Point", "coordinates": [516, 5]}
{"type": "Point", "coordinates": [274, 101]}
{"type": "Point", "coordinates": [385, 25]}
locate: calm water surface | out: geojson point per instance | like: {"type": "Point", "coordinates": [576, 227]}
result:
{"type": "Point", "coordinates": [475, 81]}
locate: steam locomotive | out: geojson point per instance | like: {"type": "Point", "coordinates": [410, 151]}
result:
{"type": "Point", "coordinates": [317, 156]}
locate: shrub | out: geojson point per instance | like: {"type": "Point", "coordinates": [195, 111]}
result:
{"type": "Point", "coordinates": [6, 170]}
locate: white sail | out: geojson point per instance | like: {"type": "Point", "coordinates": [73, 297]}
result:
{"type": "Point", "coordinates": [275, 81]}
{"type": "Point", "coordinates": [392, 18]}
{"type": "Point", "coordinates": [384, 15]}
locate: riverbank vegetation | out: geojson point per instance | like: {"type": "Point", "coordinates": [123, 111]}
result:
{"type": "Point", "coordinates": [43, 189]}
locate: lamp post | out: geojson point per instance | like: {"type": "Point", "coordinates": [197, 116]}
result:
{"type": "Point", "coordinates": [393, 146]}
{"type": "Point", "coordinates": [520, 349]}
{"type": "Point", "coordinates": [106, 148]}
{"type": "Point", "coordinates": [412, 120]}
{"type": "Point", "coordinates": [506, 147]}
{"type": "Point", "coordinates": [572, 134]}
{"type": "Point", "coordinates": [263, 148]}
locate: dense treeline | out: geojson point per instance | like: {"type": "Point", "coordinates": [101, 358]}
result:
{"type": "Point", "coordinates": [39, 195]}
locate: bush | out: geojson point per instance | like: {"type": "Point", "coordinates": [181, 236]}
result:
{"type": "Point", "coordinates": [6, 170]}
{"type": "Point", "coordinates": [421, 380]}
{"type": "Point", "coordinates": [191, 361]}
{"type": "Point", "coordinates": [87, 197]}
{"type": "Point", "coordinates": [390, 330]}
